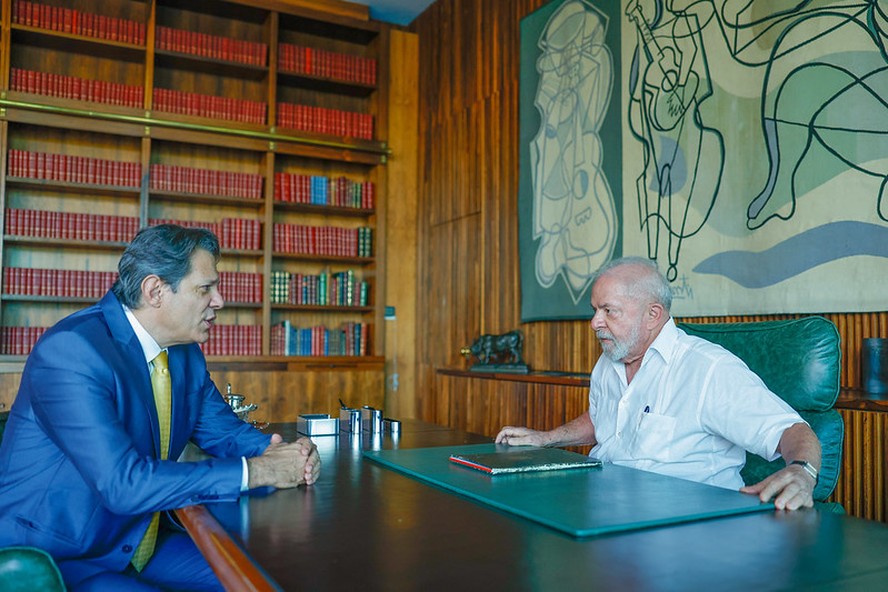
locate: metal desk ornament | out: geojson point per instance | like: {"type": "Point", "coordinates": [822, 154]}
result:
{"type": "Point", "coordinates": [317, 424]}
{"type": "Point", "coordinates": [240, 409]}
{"type": "Point", "coordinates": [498, 353]}
{"type": "Point", "coordinates": [350, 420]}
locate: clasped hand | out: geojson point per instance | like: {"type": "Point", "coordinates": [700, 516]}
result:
{"type": "Point", "coordinates": [285, 465]}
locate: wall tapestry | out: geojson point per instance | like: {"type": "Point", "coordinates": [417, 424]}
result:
{"type": "Point", "coordinates": [742, 144]}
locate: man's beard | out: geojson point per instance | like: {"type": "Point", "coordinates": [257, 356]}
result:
{"type": "Point", "coordinates": [617, 350]}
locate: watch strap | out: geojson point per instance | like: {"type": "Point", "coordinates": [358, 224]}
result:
{"type": "Point", "coordinates": [809, 468]}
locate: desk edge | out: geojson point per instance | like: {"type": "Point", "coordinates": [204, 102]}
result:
{"type": "Point", "coordinates": [235, 569]}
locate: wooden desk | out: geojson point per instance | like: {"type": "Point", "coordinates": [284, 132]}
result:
{"type": "Point", "coordinates": [365, 527]}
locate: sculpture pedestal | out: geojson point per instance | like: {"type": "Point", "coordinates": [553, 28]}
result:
{"type": "Point", "coordinates": [501, 368]}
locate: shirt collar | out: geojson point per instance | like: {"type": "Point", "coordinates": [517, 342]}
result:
{"type": "Point", "coordinates": [664, 343]}
{"type": "Point", "coordinates": [150, 348]}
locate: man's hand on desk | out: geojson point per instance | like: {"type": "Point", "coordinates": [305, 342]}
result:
{"type": "Point", "coordinates": [285, 465]}
{"type": "Point", "coordinates": [514, 436]}
{"type": "Point", "coordinates": [791, 488]}
{"type": "Point", "coordinates": [576, 432]}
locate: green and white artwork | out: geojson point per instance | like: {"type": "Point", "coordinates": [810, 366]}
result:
{"type": "Point", "coordinates": [748, 154]}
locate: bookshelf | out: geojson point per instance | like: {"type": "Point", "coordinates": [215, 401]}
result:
{"type": "Point", "coordinates": [265, 124]}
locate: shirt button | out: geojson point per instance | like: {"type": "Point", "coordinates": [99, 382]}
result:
{"type": "Point", "coordinates": [127, 549]}
{"type": "Point", "coordinates": [619, 434]}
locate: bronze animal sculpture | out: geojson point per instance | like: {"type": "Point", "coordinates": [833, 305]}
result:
{"type": "Point", "coordinates": [497, 349]}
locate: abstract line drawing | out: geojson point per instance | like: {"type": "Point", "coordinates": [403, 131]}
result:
{"type": "Point", "coordinates": [574, 212]}
{"type": "Point", "coordinates": [824, 94]}
{"type": "Point", "coordinates": [683, 158]}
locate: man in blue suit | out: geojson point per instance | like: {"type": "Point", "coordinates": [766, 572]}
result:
{"type": "Point", "coordinates": [81, 471]}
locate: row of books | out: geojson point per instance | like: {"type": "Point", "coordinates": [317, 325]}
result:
{"type": "Point", "coordinates": [350, 339]}
{"type": "Point", "coordinates": [180, 179]}
{"type": "Point", "coordinates": [317, 190]}
{"type": "Point", "coordinates": [319, 120]}
{"type": "Point", "coordinates": [225, 340]}
{"type": "Point", "coordinates": [339, 191]}
{"type": "Point", "coordinates": [238, 340]}
{"type": "Point", "coordinates": [210, 106]}
{"type": "Point", "coordinates": [325, 289]}
{"type": "Point", "coordinates": [326, 64]}
{"type": "Point", "coordinates": [70, 225]}
{"type": "Point", "coordinates": [75, 88]}
{"type": "Point", "coordinates": [18, 341]}
{"type": "Point", "coordinates": [62, 283]}
{"type": "Point", "coordinates": [233, 233]}
{"type": "Point", "coordinates": [322, 240]}
{"type": "Point", "coordinates": [322, 120]}
{"type": "Point", "coordinates": [77, 22]}
{"type": "Point", "coordinates": [233, 340]}
{"type": "Point", "coordinates": [73, 169]}
{"type": "Point", "coordinates": [211, 46]}
{"type": "Point", "coordinates": [235, 286]}
{"type": "Point", "coordinates": [240, 286]}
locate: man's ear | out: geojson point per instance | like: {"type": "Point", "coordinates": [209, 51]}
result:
{"type": "Point", "coordinates": [152, 291]}
{"type": "Point", "coordinates": [655, 313]}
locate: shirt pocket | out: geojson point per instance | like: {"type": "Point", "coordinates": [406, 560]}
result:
{"type": "Point", "coordinates": [654, 438]}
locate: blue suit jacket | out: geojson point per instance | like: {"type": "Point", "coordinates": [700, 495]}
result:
{"type": "Point", "coordinates": [80, 472]}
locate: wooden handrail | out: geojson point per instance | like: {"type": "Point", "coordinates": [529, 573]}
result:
{"type": "Point", "coordinates": [235, 569]}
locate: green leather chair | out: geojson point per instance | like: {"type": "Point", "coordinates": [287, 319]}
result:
{"type": "Point", "coordinates": [800, 361]}
{"type": "Point", "coordinates": [25, 569]}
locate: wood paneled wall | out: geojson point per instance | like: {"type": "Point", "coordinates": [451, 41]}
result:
{"type": "Point", "coordinates": [862, 488]}
{"type": "Point", "coordinates": [468, 186]}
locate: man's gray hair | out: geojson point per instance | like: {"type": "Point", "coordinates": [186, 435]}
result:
{"type": "Point", "coordinates": [164, 250]}
{"type": "Point", "coordinates": [652, 284]}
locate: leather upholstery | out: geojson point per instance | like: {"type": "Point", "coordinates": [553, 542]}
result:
{"type": "Point", "coordinates": [800, 361]}
{"type": "Point", "coordinates": [26, 569]}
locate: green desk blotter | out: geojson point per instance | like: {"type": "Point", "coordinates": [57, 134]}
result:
{"type": "Point", "coordinates": [579, 502]}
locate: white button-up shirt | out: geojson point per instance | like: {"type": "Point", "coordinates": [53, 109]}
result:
{"type": "Point", "coordinates": [692, 410]}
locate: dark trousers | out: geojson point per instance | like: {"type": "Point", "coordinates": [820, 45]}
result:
{"type": "Point", "coordinates": [177, 564]}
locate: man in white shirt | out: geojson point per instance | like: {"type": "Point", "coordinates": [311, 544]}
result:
{"type": "Point", "coordinates": [664, 401]}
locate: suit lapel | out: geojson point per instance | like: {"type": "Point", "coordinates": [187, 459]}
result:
{"type": "Point", "coordinates": [177, 411]}
{"type": "Point", "coordinates": [131, 350]}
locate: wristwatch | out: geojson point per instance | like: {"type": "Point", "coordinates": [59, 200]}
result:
{"type": "Point", "coordinates": [809, 468]}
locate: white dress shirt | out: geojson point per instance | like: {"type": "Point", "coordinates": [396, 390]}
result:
{"type": "Point", "coordinates": [692, 410]}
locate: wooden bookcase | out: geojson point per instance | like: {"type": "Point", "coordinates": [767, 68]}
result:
{"type": "Point", "coordinates": [211, 106]}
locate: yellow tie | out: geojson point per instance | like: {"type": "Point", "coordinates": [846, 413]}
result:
{"type": "Point", "coordinates": [160, 383]}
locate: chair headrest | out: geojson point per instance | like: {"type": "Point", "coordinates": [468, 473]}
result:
{"type": "Point", "coordinates": [798, 359]}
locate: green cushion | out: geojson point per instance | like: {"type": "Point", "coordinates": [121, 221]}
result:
{"type": "Point", "coordinates": [800, 361]}
{"type": "Point", "coordinates": [28, 569]}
